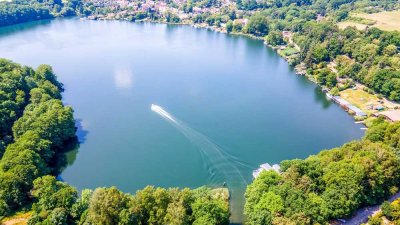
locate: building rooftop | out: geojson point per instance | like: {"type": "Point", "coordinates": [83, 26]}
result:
{"type": "Point", "coordinates": [392, 115]}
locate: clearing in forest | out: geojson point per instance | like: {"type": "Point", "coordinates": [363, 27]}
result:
{"type": "Point", "coordinates": [387, 20]}
{"type": "Point", "coordinates": [360, 99]}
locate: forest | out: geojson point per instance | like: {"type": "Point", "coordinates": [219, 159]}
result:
{"type": "Point", "coordinates": [330, 185]}
{"type": "Point", "coordinates": [58, 203]}
{"type": "Point", "coordinates": [20, 11]}
{"type": "Point", "coordinates": [35, 126]}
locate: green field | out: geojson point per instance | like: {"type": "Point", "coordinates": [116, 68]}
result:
{"type": "Point", "coordinates": [360, 98]}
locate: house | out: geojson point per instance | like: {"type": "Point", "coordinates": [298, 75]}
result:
{"type": "Point", "coordinates": [287, 34]}
{"type": "Point", "coordinates": [241, 21]}
{"type": "Point", "coordinates": [161, 7]}
{"type": "Point", "coordinates": [320, 17]}
{"type": "Point", "coordinates": [197, 10]}
{"type": "Point", "coordinates": [123, 3]}
{"type": "Point", "coordinates": [391, 115]}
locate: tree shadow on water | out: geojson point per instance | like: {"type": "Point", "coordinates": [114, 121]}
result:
{"type": "Point", "coordinates": [320, 97]}
{"type": "Point", "coordinates": [67, 155]}
{"type": "Point", "coordinates": [16, 28]}
{"type": "Point", "coordinates": [81, 133]}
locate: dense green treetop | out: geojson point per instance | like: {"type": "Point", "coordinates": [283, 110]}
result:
{"type": "Point", "coordinates": [332, 184]}
{"type": "Point", "coordinates": [36, 125]}
{"type": "Point", "coordinates": [19, 11]}
{"type": "Point", "coordinates": [57, 201]}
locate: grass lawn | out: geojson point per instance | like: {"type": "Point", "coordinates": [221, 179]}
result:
{"type": "Point", "coordinates": [388, 21]}
{"type": "Point", "coordinates": [360, 99]}
{"type": "Point", "coordinates": [289, 51]}
{"type": "Point", "coordinates": [17, 219]}
{"type": "Point", "coordinates": [344, 24]}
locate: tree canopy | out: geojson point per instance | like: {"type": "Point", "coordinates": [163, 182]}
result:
{"type": "Point", "coordinates": [57, 201]}
{"type": "Point", "coordinates": [20, 11]}
{"type": "Point", "coordinates": [37, 125]}
{"type": "Point", "coordinates": [329, 185]}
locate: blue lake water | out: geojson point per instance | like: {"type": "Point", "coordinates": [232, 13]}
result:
{"type": "Point", "coordinates": [235, 102]}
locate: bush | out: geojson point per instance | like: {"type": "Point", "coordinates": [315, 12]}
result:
{"type": "Point", "coordinates": [334, 91]}
{"type": "Point", "coordinates": [375, 220]}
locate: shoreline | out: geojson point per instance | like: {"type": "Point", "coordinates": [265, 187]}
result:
{"type": "Point", "coordinates": [299, 69]}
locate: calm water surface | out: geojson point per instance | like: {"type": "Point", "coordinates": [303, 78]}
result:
{"type": "Point", "coordinates": [229, 94]}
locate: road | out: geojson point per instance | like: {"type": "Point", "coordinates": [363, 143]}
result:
{"type": "Point", "coordinates": [362, 215]}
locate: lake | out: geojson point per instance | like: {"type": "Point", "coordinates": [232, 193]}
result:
{"type": "Point", "coordinates": [223, 104]}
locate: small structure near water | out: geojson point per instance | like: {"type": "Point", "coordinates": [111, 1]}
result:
{"type": "Point", "coordinates": [346, 105]}
{"type": "Point", "coordinates": [266, 167]}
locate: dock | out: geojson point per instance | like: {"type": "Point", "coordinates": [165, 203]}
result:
{"type": "Point", "coordinates": [346, 105]}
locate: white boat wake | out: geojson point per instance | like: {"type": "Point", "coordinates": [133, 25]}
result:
{"type": "Point", "coordinates": [223, 168]}
{"type": "Point", "coordinates": [162, 112]}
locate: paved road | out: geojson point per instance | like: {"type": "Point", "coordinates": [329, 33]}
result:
{"type": "Point", "coordinates": [362, 215]}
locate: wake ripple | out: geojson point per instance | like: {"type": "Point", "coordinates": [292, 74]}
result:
{"type": "Point", "coordinates": [222, 166]}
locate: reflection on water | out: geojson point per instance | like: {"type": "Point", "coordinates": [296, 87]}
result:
{"type": "Point", "coordinates": [123, 78]}
{"type": "Point", "coordinates": [9, 30]}
{"type": "Point", "coordinates": [68, 155]}
{"type": "Point", "coordinates": [320, 97]}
